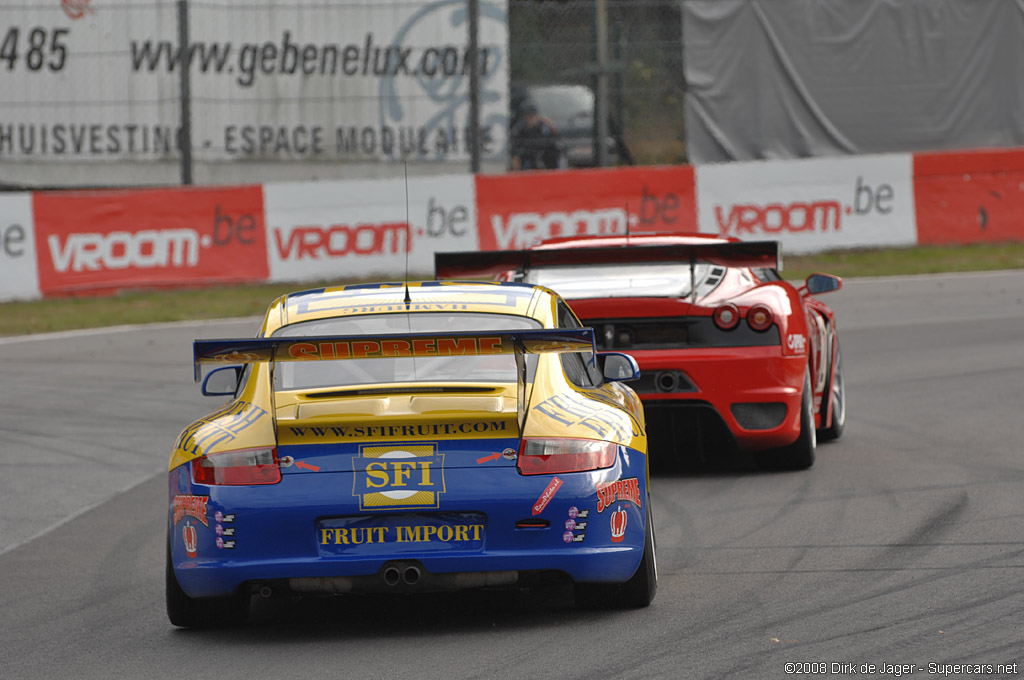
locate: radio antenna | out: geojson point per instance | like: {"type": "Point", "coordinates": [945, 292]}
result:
{"type": "Point", "coordinates": [408, 236]}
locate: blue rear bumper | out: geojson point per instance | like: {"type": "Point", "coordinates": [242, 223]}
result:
{"type": "Point", "coordinates": [307, 526]}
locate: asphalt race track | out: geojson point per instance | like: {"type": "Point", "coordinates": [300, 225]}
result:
{"type": "Point", "coordinates": [904, 544]}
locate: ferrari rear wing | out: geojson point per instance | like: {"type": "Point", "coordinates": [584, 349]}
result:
{"type": "Point", "coordinates": [487, 264]}
{"type": "Point", "coordinates": [334, 347]}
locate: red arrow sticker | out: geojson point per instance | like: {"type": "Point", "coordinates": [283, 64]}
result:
{"type": "Point", "coordinates": [307, 466]}
{"type": "Point", "coordinates": [487, 459]}
{"type": "Point", "coordinates": [546, 497]}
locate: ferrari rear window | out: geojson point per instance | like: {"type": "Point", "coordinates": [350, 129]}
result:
{"type": "Point", "coordinates": [654, 279]}
{"type": "Point", "coordinates": [297, 375]}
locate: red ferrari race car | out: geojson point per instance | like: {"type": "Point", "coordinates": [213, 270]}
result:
{"type": "Point", "coordinates": [732, 357]}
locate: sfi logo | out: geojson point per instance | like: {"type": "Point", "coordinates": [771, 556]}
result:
{"type": "Point", "coordinates": [390, 478]}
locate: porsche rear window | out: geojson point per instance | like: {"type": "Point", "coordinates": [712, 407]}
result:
{"type": "Point", "coordinates": [655, 279]}
{"type": "Point", "coordinates": [297, 375]}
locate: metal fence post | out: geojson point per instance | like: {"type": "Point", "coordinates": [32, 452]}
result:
{"type": "Point", "coordinates": [184, 69]}
{"type": "Point", "coordinates": [601, 105]}
{"type": "Point", "coordinates": [474, 86]}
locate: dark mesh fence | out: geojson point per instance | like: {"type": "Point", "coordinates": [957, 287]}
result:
{"type": "Point", "coordinates": [556, 43]}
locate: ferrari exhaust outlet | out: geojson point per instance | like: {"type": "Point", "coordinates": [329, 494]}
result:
{"type": "Point", "coordinates": [667, 381]}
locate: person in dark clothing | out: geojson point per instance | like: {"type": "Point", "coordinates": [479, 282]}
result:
{"type": "Point", "coordinates": [534, 141]}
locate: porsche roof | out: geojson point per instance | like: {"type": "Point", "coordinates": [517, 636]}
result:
{"type": "Point", "coordinates": [390, 298]}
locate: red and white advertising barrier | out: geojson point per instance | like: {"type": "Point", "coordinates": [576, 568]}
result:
{"type": "Point", "coordinates": [811, 205]}
{"type": "Point", "coordinates": [64, 243]}
{"type": "Point", "coordinates": [519, 210]}
{"type": "Point", "coordinates": [356, 229]}
{"type": "Point", "coordinates": [19, 276]}
{"type": "Point", "coordinates": [101, 241]}
{"type": "Point", "coordinates": [969, 197]}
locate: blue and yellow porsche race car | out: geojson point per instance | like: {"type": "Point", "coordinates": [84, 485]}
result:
{"type": "Point", "coordinates": [410, 437]}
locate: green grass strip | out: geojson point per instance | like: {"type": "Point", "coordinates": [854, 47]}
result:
{"type": "Point", "coordinates": [149, 306]}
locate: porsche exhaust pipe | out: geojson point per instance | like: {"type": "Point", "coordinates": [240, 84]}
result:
{"type": "Point", "coordinates": [411, 575]}
{"type": "Point", "coordinates": [402, 573]}
{"type": "Point", "coordinates": [402, 576]}
{"type": "Point", "coordinates": [392, 576]}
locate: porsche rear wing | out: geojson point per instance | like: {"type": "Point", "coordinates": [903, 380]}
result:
{"type": "Point", "coordinates": [487, 264]}
{"type": "Point", "coordinates": [335, 347]}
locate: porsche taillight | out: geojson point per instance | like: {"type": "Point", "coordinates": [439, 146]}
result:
{"type": "Point", "coordinates": [760, 318]}
{"type": "Point", "coordinates": [727, 316]}
{"type": "Point", "coordinates": [541, 456]}
{"type": "Point", "coordinates": [245, 466]}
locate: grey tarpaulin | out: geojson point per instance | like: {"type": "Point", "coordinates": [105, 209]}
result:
{"type": "Point", "coordinates": [798, 78]}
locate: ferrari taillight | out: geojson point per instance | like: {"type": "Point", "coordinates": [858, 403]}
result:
{"type": "Point", "coordinates": [727, 317]}
{"type": "Point", "coordinates": [562, 454]}
{"type": "Point", "coordinates": [760, 318]}
{"type": "Point", "coordinates": [246, 466]}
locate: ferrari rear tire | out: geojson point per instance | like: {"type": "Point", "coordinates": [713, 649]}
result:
{"type": "Point", "coordinates": [635, 593]}
{"type": "Point", "coordinates": [201, 612]}
{"type": "Point", "coordinates": [837, 398]}
{"type": "Point", "coordinates": [800, 454]}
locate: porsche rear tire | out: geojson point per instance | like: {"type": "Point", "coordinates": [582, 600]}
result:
{"type": "Point", "coordinates": [837, 398]}
{"type": "Point", "coordinates": [635, 593]}
{"type": "Point", "coordinates": [201, 612]}
{"type": "Point", "coordinates": [800, 454]}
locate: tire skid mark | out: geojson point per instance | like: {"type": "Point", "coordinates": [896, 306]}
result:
{"type": "Point", "coordinates": [891, 638]}
{"type": "Point", "coordinates": [890, 627]}
{"type": "Point", "coordinates": [925, 535]}
{"type": "Point", "coordinates": [939, 523]}
{"type": "Point", "coordinates": [857, 597]}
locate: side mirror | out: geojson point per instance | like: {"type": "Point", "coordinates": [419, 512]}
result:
{"type": "Point", "coordinates": [817, 284]}
{"type": "Point", "coordinates": [223, 381]}
{"type": "Point", "coordinates": [618, 367]}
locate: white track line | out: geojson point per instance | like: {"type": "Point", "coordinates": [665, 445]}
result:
{"type": "Point", "coordinates": [77, 513]}
{"type": "Point", "coordinates": [84, 332]}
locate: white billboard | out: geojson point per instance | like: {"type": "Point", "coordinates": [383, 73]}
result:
{"type": "Point", "coordinates": [350, 230]}
{"type": "Point", "coordinates": [811, 205]}
{"type": "Point", "coordinates": [83, 81]}
{"type": "Point", "coordinates": [19, 275]}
